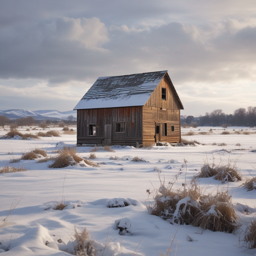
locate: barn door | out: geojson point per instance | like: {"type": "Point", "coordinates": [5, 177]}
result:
{"type": "Point", "coordinates": [157, 134]}
{"type": "Point", "coordinates": [108, 133]}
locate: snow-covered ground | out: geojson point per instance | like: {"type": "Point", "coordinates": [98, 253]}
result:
{"type": "Point", "coordinates": [89, 190]}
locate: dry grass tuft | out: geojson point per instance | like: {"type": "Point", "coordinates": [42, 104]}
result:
{"type": "Point", "coordinates": [66, 157]}
{"type": "Point", "coordinates": [92, 156]}
{"type": "Point", "coordinates": [207, 171]}
{"type": "Point", "coordinates": [203, 133]}
{"type": "Point", "coordinates": [189, 133]}
{"type": "Point", "coordinates": [59, 206]}
{"type": "Point", "coordinates": [69, 132]}
{"type": "Point", "coordinates": [246, 133]}
{"type": "Point", "coordinates": [44, 160]}
{"type": "Point", "coordinates": [65, 129]}
{"type": "Point", "coordinates": [250, 184]}
{"type": "Point", "coordinates": [222, 144]}
{"type": "Point", "coordinates": [16, 160]}
{"type": "Point", "coordinates": [25, 136]}
{"type": "Point", "coordinates": [225, 133]}
{"type": "Point", "coordinates": [250, 235]}
{"type": "Point", "coordinates": [83, 246]}
{"type": "Point", "coordinates": [40, 152]}
{"type": "Point", "coordinates": [188, 205]}
{"type": "Point", "coordinates": [108, 148]}
{"type": "Point", "coordinates": [137, 159]}
{"type": "Point", "coordinates": [190, 142]}
{"type": "Point", "coordinates": [8, 169]}
{"type": "Point", "coordinates": [228, 173]}
{"type": "Point", "coordinates": [224, 173]}
{"type": "Point", "coordinates": [91, 163]}
{"type": "Point", "coordinates": [29, 156]}
{"type": "Point", "coordinates": [51, 133]}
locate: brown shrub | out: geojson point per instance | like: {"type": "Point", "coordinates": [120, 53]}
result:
{"type": "Point", "coordinates": [250, 235]}
{"type": "Point", "coordinates": [217, 213]}
{"type": "Point", "coordinates": [13, 127]}
{"type": "Point", "coordinates": [250, 184]}
{"type": "Point", "coordinates": [246, 133]}
{"type": "Point", "coordinates": [29, 135]}
{"type": "Point", "coordinates": [237, 132]}
{"type": "Point", "coordinates": [53, 133]}
{"type": "Point", "coordinates": [188, 205]}
{"type": "Point", "coordinates": [16, 160]}
{"type": "Point", "coordinates": [92, 156]}
{"type": "Point", "coordinates": [40, 152]}
{"type": "Point", "coordinates": [222, 144]}
{"type": "Point", "coordinates": [207, 171]}
{"type": "Point", "coordinates": [59, 206]}
{"type": "Point", "coordinates": [65, 129]}
{"type": "Point", "coordinates": [27, 129]}
{"type": "Point", "coordinates": [228, 173]}
{"type": "Point", "coordinates": [47, 159]}
{"type": "Point", "coordinates": [61, 124]}
{"type": "Point", "coordinates": [203, 133]}
{"type": "Point", "coordinates": [66, 157]}
{"type": "Point", "coordinates": [225, 133]}
{"type": "Point", "coordinates": [137, 159]}
{"type": "Point", "coordinates": [8, 169]}
{"type": "Point", "coordinates": [189, 133]}
{"type": "Point", "coordinates": [29, 156]}
{"type": "Point", "coordinates": [83, 246]}
{"type": "Point", "coordinates": [91, 163]}
{"type": "Point", "coordinates": [14, 133]}
{"type": "Point", "coordinates": [224, 173]}
{"type": "Point", "coordinates": [43, 125]}
{"type": "Point", "coordinates": [69, 132]}
{"type": "Point", "coordinates": [189, 142]}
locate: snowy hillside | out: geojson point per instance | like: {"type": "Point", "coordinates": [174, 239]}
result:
{"type": "Point", "coordinates": [38, 114]}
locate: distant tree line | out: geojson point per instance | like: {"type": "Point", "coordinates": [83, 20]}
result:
{"type": "Point", "coordinates": [29, 121]}
{"type": "Point", "coordinates": [241, 117]}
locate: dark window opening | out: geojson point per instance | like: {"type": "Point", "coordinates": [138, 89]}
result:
{"type": "Point", "coordinates": [157, 129]}
{"type": "Point", "coordinates": [172, 128]}
{"type": "Point", "coordinates": [120, 127]}
{"type": "Point", "coordinates": [163, 93]}
{"type": "Point", "coordinates": [92, 130]}
{"type": "Point", "coordinates": [164, 129]}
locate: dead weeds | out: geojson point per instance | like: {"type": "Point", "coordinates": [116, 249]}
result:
{"type": "Point", "coordinates": [9, 169]}
{"type": "Point", "coordinates": [189, 205]}
{"type": "Point", "coordinates": [250, 235]}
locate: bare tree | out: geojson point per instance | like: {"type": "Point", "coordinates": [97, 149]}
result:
{"type": "Point", "coordinates": [4, 120]}
{"type": "Point", "coordinates": [70, 118]}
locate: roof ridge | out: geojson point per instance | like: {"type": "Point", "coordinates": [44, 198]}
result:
{"type": "Point", "coordinates": [135, 74]}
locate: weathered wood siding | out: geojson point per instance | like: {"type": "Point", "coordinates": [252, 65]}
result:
{"type": "Point", "coordinates": [161, 111]}
{"type": "Point", "coordinates": [132, 116]}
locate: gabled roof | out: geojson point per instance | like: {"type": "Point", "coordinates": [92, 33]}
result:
{"type": "Point", "coordinates": [121, 91]}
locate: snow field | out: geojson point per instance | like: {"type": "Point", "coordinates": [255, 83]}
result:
{"type": "Point", "coordinates": [89, 191]}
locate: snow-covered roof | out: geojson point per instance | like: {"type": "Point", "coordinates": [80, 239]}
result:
{"type": "Point", "coordinates": [121, 91]}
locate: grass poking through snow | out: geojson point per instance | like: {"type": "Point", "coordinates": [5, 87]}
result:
{"type": "Point", "coordinates": [8, 169]}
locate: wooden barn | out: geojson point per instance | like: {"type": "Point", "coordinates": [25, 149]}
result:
{"type": "Point", "coordinates": [137, 109]}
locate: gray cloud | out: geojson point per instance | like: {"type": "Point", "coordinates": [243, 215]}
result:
{"type": "Point", "coordinates": [65, 44]}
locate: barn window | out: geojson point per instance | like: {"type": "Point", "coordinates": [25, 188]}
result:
{"type": "Point", "coordinates": [157, 129]}
{"type": "Point", "coordinates": [163, 93]}
{"type": "Point", "coordinates": [120, 127]}
{"type": "Point", "coordinates": [172, 128]}
{"type": "Point", "coordinates": [92, 130]}
{"type": "Point", "coordinates": [164, 131]}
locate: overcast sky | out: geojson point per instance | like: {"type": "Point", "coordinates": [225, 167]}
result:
{"type": "Point", "coordinates": [51, 52]}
